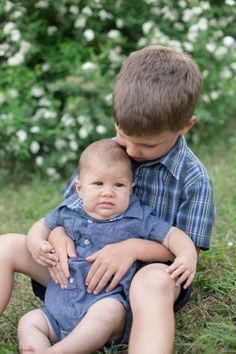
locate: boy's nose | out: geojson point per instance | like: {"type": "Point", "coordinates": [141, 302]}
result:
{"type": "Point", "coordinates": [108, 191]}
{"type": "Point", "coordinates": [132, 151]}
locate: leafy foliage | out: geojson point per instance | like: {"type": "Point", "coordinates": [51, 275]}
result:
{"type": "Point", "coordinates": [59, 61]}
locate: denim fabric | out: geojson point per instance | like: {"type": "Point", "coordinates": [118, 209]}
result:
{"type": "Point", "coordinates": [178, 189]}
{"type": "Point", "coordinates": [68, 306]}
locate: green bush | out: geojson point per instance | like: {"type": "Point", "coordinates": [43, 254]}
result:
{"type": "Point", "coordinates": [59, 61]}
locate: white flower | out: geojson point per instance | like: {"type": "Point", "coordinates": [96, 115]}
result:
{"type": "Point", "coordinates": [41, 5]}
{"type": "Point", "coordinates": [16, 59]}
{"type": "Point", "coordinates": [24, 47]}
{"type": "Point", "coordinates": [59, 144]}
{"type": "Point", "coordinates": [17, 14]}
{"type": "Point", "coordinates": [88, 66]}
{"type": "Point", "coordinates": [108, 98]}
{"type": "Point", "coordinates": [230, 2]}
{"type": "Point", "coordinates": [2, 98]}
{"type": "Point", "coordinates": [214, 95]}
{"type": "Point", "coordinates": [83, 132]}
{"type": "Point", "coordinates": [230, 244]}
{"type": "Point", "coordinates": [45, 67]}
{"type": "Point", "coordinates": [34, 147]}
{"type": "Point", "coordinates": [8, 6]}
{"type": "Point", "coordinates": [37, 91]}
{"type": "Point", "coordinates": [39, 161]}
{"type": "Point", "coordinates": [82, 119]}
{"type": "Point", "coordinates": [188, 46]}
{"type": "Point", "coordinates": [114, 55]}
{"type": "Point", "coordinates": [113, 34]}
{"type": "Point", "coordinates": [74, 9]}
{"type": "Point", "coordinates": [51, 30]}
{"type": "Point", "coordinates": [21, 135]}
{"type": "Point", "coordinates": [9, 26]}
{"type": "Point", "coordinates": [13, 93]}
{"type": "Point", "coordinates": [87, 11]}
{"type": "Point", "coordinates": [4, 48]}
{"type": "Point", "coordinates": [73, 145]}
{"type": "Point", "coordinates": [226, 73]}
{"type": "Point", "coordinates": [80, 22]}
{"type": "Point", "coordinates": [15, 35]}
{"type": "Point", "coordinates": [35, 129]}
{"type": "Point", "coordinates": [211, 47]}
{"type": "Point", "coordinates": [142, 42]}
{"type": "Point", "coordinates": [147, 26]}
{"type": "Point", "coordinates": [228, 41]}
{"type": "Point", "coordinates": [203, 24]}
{"type": "Point", "coordinates": [104, 15]}
{"type": "Point", "coordinates": [63, 159]}
{"type": "Point", "coordinates": [89, 35]}
{"type": "Point", "coordinates": [49, 114]}
{"type": "Point", "coordinates": [43, 102]}
{"type": "Point", "coordinates": [67, 120]}
{"type": "Point", "coordinates": [233, 66]}
{"type": "Point", "coordinates": [220, 52]}
{"type": "Point", "coordinates": [51, 171]}
{"type": "Point", "coordinates": [119, 23]}
{"type": "Point", "coordinates": [100, 129]}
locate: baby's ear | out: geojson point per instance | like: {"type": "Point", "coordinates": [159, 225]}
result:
{"type": "Point", "coordinates": [132, 186]}
{"type": "Point", "coordinates": [78, 186]}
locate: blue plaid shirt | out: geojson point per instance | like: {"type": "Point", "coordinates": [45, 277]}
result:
{"type": "Point", "coordinates": [178, 189]}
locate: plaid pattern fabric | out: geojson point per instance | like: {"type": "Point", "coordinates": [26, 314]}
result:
{"type": "Point", "coordinates": [178, 189]}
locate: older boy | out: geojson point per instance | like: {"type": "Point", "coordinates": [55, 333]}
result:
{"type": "Point", "coordinates": [153, 106]}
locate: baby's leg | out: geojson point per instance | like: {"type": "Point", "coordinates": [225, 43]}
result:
{"type": "Point", "coordinates": [35, 332]}
{"type": "Point", "coordinates": [15, 257]}
{"type": "Point", "coordinates": [103, 323]}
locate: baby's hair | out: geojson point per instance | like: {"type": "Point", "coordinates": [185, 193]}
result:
{"type": "Point", "coordinates": [106, 151]}
{"type": "Point", "coordinates": [157, 90]}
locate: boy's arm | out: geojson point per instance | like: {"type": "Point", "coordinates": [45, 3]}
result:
{"type": "Point", "coordinates": [107, 261]}
{"type": "Point", "coordinates": [184, 267]}
{"type": "Point", "coordinates": [38, 245]}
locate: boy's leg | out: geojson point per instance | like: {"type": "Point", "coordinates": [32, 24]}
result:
{"type": "Point", "coordinates": [103, 323]}
{"type": "Point", "coordinates": [152, 297]}
{"type": "Point", "coordinates": [15, 257]}
{"type": "Point", "coordinates": [35, 332]}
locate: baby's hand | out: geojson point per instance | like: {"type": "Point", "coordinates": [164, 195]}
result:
{"type": "Point", "coordinates": [183, 269]}
{"type": "Point", "coordinates": [43, 253]}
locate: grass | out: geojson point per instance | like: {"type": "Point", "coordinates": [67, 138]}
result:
{"type": "Point", "coordinates": [207, 324]}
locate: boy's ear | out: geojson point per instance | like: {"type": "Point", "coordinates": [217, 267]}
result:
{"type": "Point", "coordinates": [188, 126]}
{"type": "Point", "coordinates": [132, 186]}
{"type": "Point", "coordinates": [78, 186]}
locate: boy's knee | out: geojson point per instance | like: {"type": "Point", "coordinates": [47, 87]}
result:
{"type": "Point", "coordinates": [152, 279]}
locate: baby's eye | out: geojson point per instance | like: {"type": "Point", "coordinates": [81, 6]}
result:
{"type": "Point", "coordinates": [119, 185]}
{"type": "Point", "coordinates": [98, 183]}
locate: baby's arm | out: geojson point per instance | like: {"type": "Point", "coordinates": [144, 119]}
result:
{"type": "Point", "coordinates": [38, 245]}
{"type": "Point", "coordinates": [184, 267]}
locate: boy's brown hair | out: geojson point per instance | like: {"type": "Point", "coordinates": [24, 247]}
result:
{"type": "Point", "coordinates": [157, 90]}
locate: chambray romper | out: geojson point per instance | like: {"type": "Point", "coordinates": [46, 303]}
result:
{"type": "Point", "coordinates": [65, 308]}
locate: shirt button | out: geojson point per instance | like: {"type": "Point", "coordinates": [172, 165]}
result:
{"type": "Point", "coordinates": [90, 221]}
{"type": "Point", "coordinates": [71, 280]}
{"type": "Point", "coordinates": [86, 242]}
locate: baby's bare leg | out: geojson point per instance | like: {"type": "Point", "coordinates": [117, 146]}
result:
{"type": "Point", "coordinates": [104, 322]}
{"type": "Point", "coordinates": [15, 257]}
{"type": "Point", "coordinates": [35, 332]}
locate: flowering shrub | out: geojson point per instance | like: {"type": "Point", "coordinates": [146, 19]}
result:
{"type": "Point", "coordinates": [59, 61]}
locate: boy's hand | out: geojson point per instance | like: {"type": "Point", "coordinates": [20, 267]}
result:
{"type": "Point", "coordinates": [43, 253]}
{"type": "Point", "coordinates": [108, 264]}
{"type": "Point", "coordinates": [183, 269]}
{"type": "Point", "coordinates": [64, 249]}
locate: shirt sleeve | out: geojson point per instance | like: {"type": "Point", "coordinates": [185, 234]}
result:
{"type": "Point", "coordinates": [51, 220]}
{"type": "Point", "coordinates": [155, 228]}
{"type": "Point", "coordinates": [196, 212]}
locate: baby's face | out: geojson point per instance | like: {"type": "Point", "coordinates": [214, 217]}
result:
{"type": "Point", "coordinates": [105, 190]}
